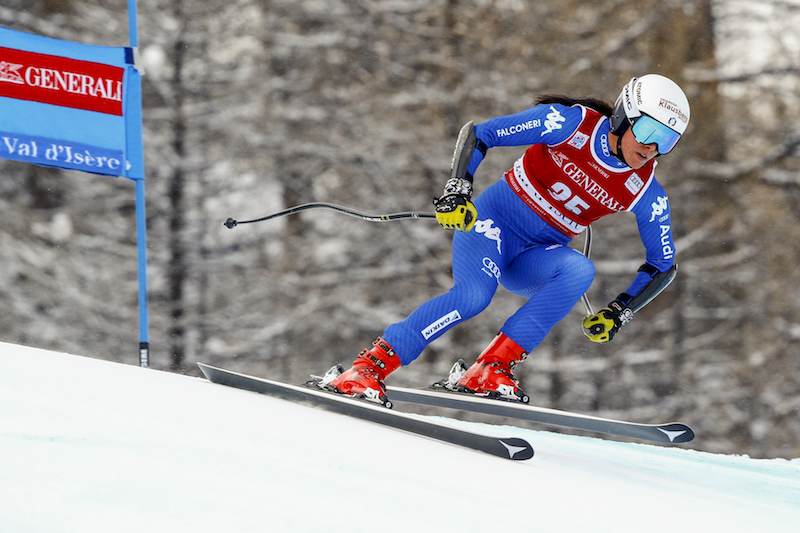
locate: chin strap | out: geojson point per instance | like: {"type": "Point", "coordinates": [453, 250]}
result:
{"type": "Point", "coordinates": [619, 133]}
{"type": "Point", "coordinates": [619, 150]}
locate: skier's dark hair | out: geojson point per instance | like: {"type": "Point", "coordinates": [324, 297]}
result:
{"type": "Point", "coordinates": [598, 105]}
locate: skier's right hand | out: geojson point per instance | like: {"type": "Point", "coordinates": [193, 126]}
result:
{"type": "Point", "coordinates": [455, 211]}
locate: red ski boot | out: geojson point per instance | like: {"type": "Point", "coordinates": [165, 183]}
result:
{"type": "Point", "coordinates": [365, 377]}
{"type": "Point", "coordinates": [491, 374]}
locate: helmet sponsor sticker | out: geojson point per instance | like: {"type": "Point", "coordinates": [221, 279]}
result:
{"type": "Point", "coordinates": [674, 108]}
{"type": "Point", "coordinates": [631, 108]}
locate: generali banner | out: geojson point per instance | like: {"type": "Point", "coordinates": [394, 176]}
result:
{"type": "Point", "coordinates": [70, 105]}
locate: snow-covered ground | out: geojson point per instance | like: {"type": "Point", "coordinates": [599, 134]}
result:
{"type": "Point", "coordinates": [90, 446]}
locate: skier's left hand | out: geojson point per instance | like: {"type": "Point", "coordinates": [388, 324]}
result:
{"type": "Point", "coordinates": [602, 326]}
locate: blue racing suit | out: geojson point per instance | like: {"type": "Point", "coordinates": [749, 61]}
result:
{"type": "Point", "coordinates": [566, 179]}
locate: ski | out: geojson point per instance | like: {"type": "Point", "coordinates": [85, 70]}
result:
{"type": "Point", "coordinates": [513, 448]}
{"type": "Point", "coordinates": [672, 432]}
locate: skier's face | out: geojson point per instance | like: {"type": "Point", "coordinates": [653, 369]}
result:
{"type": "Point", "coordinates": [635, 153]}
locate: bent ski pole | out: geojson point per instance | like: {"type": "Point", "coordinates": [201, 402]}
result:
{"type": "Point", "coordinates": [587, 249]}
{"type": "Point", "coordinates": [231, 223]}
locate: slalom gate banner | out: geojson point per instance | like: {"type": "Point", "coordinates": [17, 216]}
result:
{"type": "Point", "coordinates": [70, 105]}
{"type": "Point", "coordinates": [77, 106]}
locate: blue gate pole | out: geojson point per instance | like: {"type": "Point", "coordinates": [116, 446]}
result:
{"type": "Point", "coordinates": [133, 24]}
{"type": "Point", "coordinates": [141, 218]}
{"type": "Point", "coordinates": [141, 240]}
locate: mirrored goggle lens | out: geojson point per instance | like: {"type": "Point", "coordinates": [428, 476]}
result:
{"type": "Point", "coordinates": [648, 130]}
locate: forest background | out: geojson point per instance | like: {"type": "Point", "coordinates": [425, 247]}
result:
{"type": "Point", "coordinates": [251, 106]}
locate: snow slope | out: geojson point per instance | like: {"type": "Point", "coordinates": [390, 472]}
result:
{"type": "Point", "coordinates": [91, 446]}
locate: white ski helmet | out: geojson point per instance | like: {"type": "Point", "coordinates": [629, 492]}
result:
{"type": "Point", "coordinates": [656, 108]}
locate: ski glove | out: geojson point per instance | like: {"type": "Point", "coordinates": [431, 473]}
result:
{"type": "Point", "coordinates": [454, 210]}
{"type": "Point", "coordinates": [602, 327]}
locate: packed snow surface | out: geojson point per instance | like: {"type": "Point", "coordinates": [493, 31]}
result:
{"type": "Point", "coordinates": [90, 446]}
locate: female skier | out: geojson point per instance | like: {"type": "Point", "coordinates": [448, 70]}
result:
{"type": "Point", "coordinates": [586, 160]}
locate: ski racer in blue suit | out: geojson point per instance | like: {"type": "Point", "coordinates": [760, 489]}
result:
{"type": "Point", "coordinates": [585, 159]}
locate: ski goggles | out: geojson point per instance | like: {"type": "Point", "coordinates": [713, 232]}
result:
{"type": "Point", "coordinates": [648, 130]}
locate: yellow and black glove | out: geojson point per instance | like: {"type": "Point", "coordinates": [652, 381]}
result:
{"type": "Point", "coordinates": [454, 210]}
{"type": "Point", "coordinates": [602, 326]}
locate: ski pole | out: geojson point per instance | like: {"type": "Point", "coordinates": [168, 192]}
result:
{"type": "Point", "coordinates": [231, 223]}
{"type": "Point", "coordinates": [587, 249]}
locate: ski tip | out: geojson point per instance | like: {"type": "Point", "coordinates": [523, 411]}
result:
{"type": "Point", "coordinates": [204, 368]}
{"type": "Point", "coordinates": [518, 449]}
{"type": "Point", "coordinates": [677, 432]}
